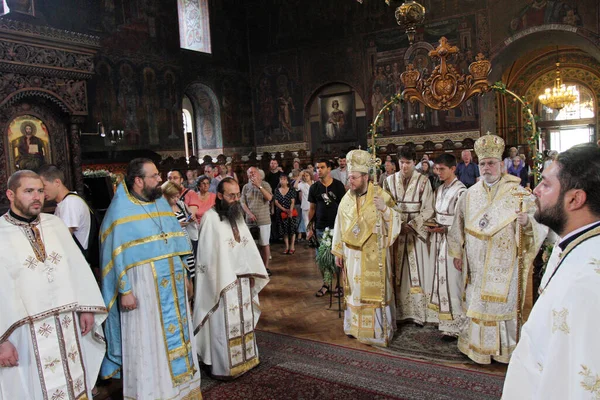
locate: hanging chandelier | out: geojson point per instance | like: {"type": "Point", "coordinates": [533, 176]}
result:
{"type": "Point", "coordinates": [560, 96]}
{"type": "Point", "coordinates": [409, 15]}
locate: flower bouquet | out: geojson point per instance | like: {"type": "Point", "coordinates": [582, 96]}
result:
{"type": "Point", "coordinates": [326, 260]}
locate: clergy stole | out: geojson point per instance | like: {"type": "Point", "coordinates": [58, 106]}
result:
{"type": "Point", "coordinates": [358, 230]}
{"type": "Point", "coordinates": [408, 203]}
{"type": "Point", "coordinates": [239, 326]}
{"type": "Point", "coordinates": [445, 205]}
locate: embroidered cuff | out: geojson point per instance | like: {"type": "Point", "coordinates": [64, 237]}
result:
{"type": "Point", "coordinates": [124, 286]}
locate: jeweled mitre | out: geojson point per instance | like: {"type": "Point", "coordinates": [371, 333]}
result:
{"type": "Point", "coordinates": [489, 146]}
{"type": "Point", "coordinates": [358, 161]}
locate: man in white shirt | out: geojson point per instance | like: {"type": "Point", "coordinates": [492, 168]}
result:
{"type": "Point", "coordinates": [70, 207]}
{"type": "Point", "coordinates": [341, 172]}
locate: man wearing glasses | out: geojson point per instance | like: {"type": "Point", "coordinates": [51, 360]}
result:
{"type": "Point", "coordinates": [143, 285]}
{"type": "Point", "coordinates": [483, 242]}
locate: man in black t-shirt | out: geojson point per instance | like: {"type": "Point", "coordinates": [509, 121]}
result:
{"type": "Point", "coordinates": [324, 197]}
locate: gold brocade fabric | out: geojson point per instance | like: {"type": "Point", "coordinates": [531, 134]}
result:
{"type": "Point", "coordinates": [358, 228]}
{"type": "Point", "coordinates": [490, 211]}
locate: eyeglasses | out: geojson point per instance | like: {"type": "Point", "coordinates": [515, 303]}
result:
{"type": "Point", "coordinates": [154, 176]}
{"type": "Point", "coordinates": [488, 163]}
{"type": "Point", "coordinates": [232, 196]}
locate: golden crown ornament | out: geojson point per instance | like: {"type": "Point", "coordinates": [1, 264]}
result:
{"type": "Point", "coordinates": [489, 146]}
{"type": "Point", "coordinates": [360, 161]}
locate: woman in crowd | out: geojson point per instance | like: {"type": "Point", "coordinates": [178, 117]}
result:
{"type": "Point", "coordinates": [207, 199]}
{"type": "Point", "coordinates": [519, 169]}
{"type": "Point", "coordinates": [171, 192]}
{"type": "Point", "coordinates": [303, 186]}
{"type": "Point", "coordinates": [428, 172]}
{"type": "Point", "coordinates": [230, 172]}
{"type": "Point", "coordinates": [285, 199]}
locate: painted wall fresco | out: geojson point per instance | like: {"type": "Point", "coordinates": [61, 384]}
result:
{"type": "Point", "coordinates": [278, 107]}
{"type": "Point", "coordinates": [393, 53]}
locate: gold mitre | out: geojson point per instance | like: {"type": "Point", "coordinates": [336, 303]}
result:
{"type": "Point", "coordinates": [358, 161]}
{"type": "Point", "coordinates": [489, 146]}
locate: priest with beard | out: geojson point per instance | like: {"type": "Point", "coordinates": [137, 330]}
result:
{"type": "Point", "coordinates": [558, 356]}
{"type": "Point", "coordinates": [229, 275]}
{"type": "Point", "coordinates": [366, 227]}
{"type": "Point", "coordinates": [148, 329]}
{"type": "Point", "coordinates": [51, 341]}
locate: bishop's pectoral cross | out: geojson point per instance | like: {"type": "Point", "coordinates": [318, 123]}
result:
{"type": "Point", "coordinates": [164, 237]}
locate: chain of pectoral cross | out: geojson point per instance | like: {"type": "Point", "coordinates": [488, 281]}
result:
{"type": "Point", "coordinates": [163, 235]}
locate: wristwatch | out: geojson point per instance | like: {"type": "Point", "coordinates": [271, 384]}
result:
{"type": "Point", "coordinates": [260, 187]}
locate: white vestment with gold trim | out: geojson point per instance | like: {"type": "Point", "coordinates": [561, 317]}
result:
{"type": "Point", "coordinates": [364, 291]}
{"type": "Point", "coordinates": [558, 355]}
{"type": "Point", "coordinates": [447, 283]}
{"type": "Point", "coordinates": [146, 373]}
{"type": "Point", "coordinates": [485, 235]}
{"type": "Point", "coordinates": [229, 275]}
{"type": "Point", "coordinates": [46, 284]}
{"type": "Point", "coordinates": [413, 266]}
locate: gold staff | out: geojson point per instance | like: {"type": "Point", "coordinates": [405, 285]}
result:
{"type": "Point", "coordinates": [520, 194]}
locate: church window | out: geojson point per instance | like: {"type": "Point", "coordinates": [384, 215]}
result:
{"type": "Point", "coordinates": [194, 25]}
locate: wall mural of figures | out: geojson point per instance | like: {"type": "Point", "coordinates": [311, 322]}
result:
{"type": "Point", "coordinates": [105, 99]}
{"type": "Point", "coordinates": [539, 12]}
{"type": "Point", "coordinates": [236, 114]}
{"type": "Point", "coordinates": [338, 116]}
{"type": "Point", "coordinates": [29, 144]}
{"type": "Point", "coordinates": [128, 99]}
{"type": "Point", "coordinates": [207, 116]}
{"type": "Point", "coordinates": [170, 107]}
{"type": "Point", "coordinates": [393, 54]}
{"type": "Point", "coordinates": [278, 107]}
{"type": "Point", "coordinates": [515, 16]}
{"type": "Point", "coordinates": [150, 102]}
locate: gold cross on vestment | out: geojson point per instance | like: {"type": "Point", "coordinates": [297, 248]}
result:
{"type": "Point", "coordinates": [164, 236]}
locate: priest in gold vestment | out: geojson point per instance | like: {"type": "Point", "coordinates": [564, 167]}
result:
{"type": "Point", "coordinates": [414, 197]}
{"type": "Point", "coordinates": [365, 227]}
{"type": "Point", "coordinates": [483, 241]}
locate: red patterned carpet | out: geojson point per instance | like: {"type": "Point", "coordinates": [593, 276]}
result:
{"type": "Point", "coordinates": [293, 368]}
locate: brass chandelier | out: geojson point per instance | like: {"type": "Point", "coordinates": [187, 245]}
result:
{"type": "Point", "coordinates": [560, 96]}
{"type": "Point", "coordinates": [409, 15]}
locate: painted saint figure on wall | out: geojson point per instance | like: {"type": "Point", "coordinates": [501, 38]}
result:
{"type": "Point", "coordinates": [29, 143]}
{"type": "Point", "coordinates": [286, 107]}
{"type": "Point", "coordinates": [336, 122]}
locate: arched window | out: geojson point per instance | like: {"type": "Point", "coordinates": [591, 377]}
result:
{"type": "Point", "coordinates": [582, 108]}
{"type": "Point", "coordinates": [187, 114]}
{"type": "Point", "coordinates": [572, 124]}
{"type": "Point", "coordinates": [194, 25]}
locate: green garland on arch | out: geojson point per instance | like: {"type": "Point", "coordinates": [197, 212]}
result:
{"type": "Point", "coordinates": [531, 130]}
{"type": "Point", "coordinates": [387, 107]}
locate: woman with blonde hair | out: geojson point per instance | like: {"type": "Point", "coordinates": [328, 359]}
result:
{"type": "Point", "coordinates": [171, 193]}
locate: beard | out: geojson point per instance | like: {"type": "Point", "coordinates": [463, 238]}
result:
{"type": "Point", "coordinates": [360, 190]}
{"type": "Point", "coordinates": [152, 194]}
{"type": "Point", "coordinates": [553, 217]}
{"type": "Point", "coordinates": [231, 211]}
{"type": "Point", "coordinates": [28, 211]}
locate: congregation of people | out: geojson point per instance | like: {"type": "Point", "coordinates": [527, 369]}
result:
{"type": "Point", "coordinates": [181, 264]}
